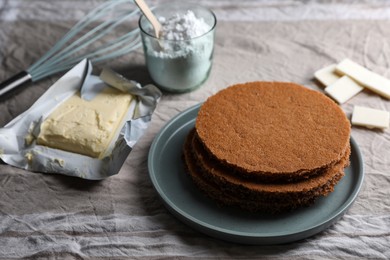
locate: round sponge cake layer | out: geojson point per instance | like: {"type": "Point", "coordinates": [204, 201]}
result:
{"type": "Point", "coordinates": [273, 127]}
{"type": "Point", "coordinates": [260, 190]}
{"type": "Point", "coordinates": [256, 197]}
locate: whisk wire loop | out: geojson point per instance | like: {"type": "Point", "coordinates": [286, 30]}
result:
{"type": "Point", "coordinates": [80, 25]}
{"type": "Point", "coordinates": [59, 58]}
{"type": "Point", "coordinates": [83, 42]}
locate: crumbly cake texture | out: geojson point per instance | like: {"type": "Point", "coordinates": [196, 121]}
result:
{"type": "Point", "coordinates": [85, 127]}
{"type": "Point", "coordinates": [237, 155]}
{"type": "Point", "coordinates": [273, 127]}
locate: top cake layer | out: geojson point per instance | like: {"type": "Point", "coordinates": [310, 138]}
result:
{"type": "Point", "coordinates": [273, 127]}
{"type": "Point", "coordinates": [85, 127]}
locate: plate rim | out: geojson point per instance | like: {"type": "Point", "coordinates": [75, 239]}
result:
{"type": "Point", "coordinates": [233, 235]}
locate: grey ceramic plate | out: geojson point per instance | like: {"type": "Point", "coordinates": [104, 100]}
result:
{"type": "Point", "coordinates": [184, 200]}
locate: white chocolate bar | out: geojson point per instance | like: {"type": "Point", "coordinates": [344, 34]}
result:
{"type": "Point", "coordinates": [327, 76]}
{"type": "Point", "coordinates": [343, 89]}
{"type": "Point", "coordinates": [369, 117]}
{"type": "Point", "coordinates": [365, 77]}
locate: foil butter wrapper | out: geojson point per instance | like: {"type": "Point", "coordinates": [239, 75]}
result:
{"type": "Point", "coordinates": [17, 139]}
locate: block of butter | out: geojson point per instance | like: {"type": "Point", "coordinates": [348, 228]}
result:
{"type": "Point", "coordinates": [86, 127]}
{"type": "Point", "coordinates": [343, 89]}
{"type": "Point", "coordinates": [369, 117]}
{"type": "Point", "coordinates": [365, 77]}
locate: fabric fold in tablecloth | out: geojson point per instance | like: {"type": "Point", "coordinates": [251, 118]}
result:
{"type": "Point", "coordinates": [122, 217]}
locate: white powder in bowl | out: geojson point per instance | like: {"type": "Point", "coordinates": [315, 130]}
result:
{"type": "Point", "coordinates": [182, 27]}
{"type": "Point", "coordinates": [181, 58]}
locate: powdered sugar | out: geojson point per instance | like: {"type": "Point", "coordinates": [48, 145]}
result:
{"type": "Point", "coordinates": [180, 58]}
{"type": "Point", "coordinates": [182, 27]}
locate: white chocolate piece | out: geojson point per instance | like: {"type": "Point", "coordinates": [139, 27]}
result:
{"type": "Point", "coordinates": [365, 77]}
{"type": "Point", "coordinates": [369, 117]}
{"type": "Point", "coordinates": [343, 89]}
{"type": "Point", "coordinates": [327, 76]}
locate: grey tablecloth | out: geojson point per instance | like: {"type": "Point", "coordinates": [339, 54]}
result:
{"type": "Point", "coordinates": [44, 215]}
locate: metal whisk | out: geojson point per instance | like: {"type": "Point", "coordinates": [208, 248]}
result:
{"type": "Point", "coordinates": [75, 46]}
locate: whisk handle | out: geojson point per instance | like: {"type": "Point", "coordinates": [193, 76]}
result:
{"type": "Point", "coordinates": [14, 82]}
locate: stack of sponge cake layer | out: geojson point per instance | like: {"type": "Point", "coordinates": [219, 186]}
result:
{"type": "Point", "coordinates": [268, 146]}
